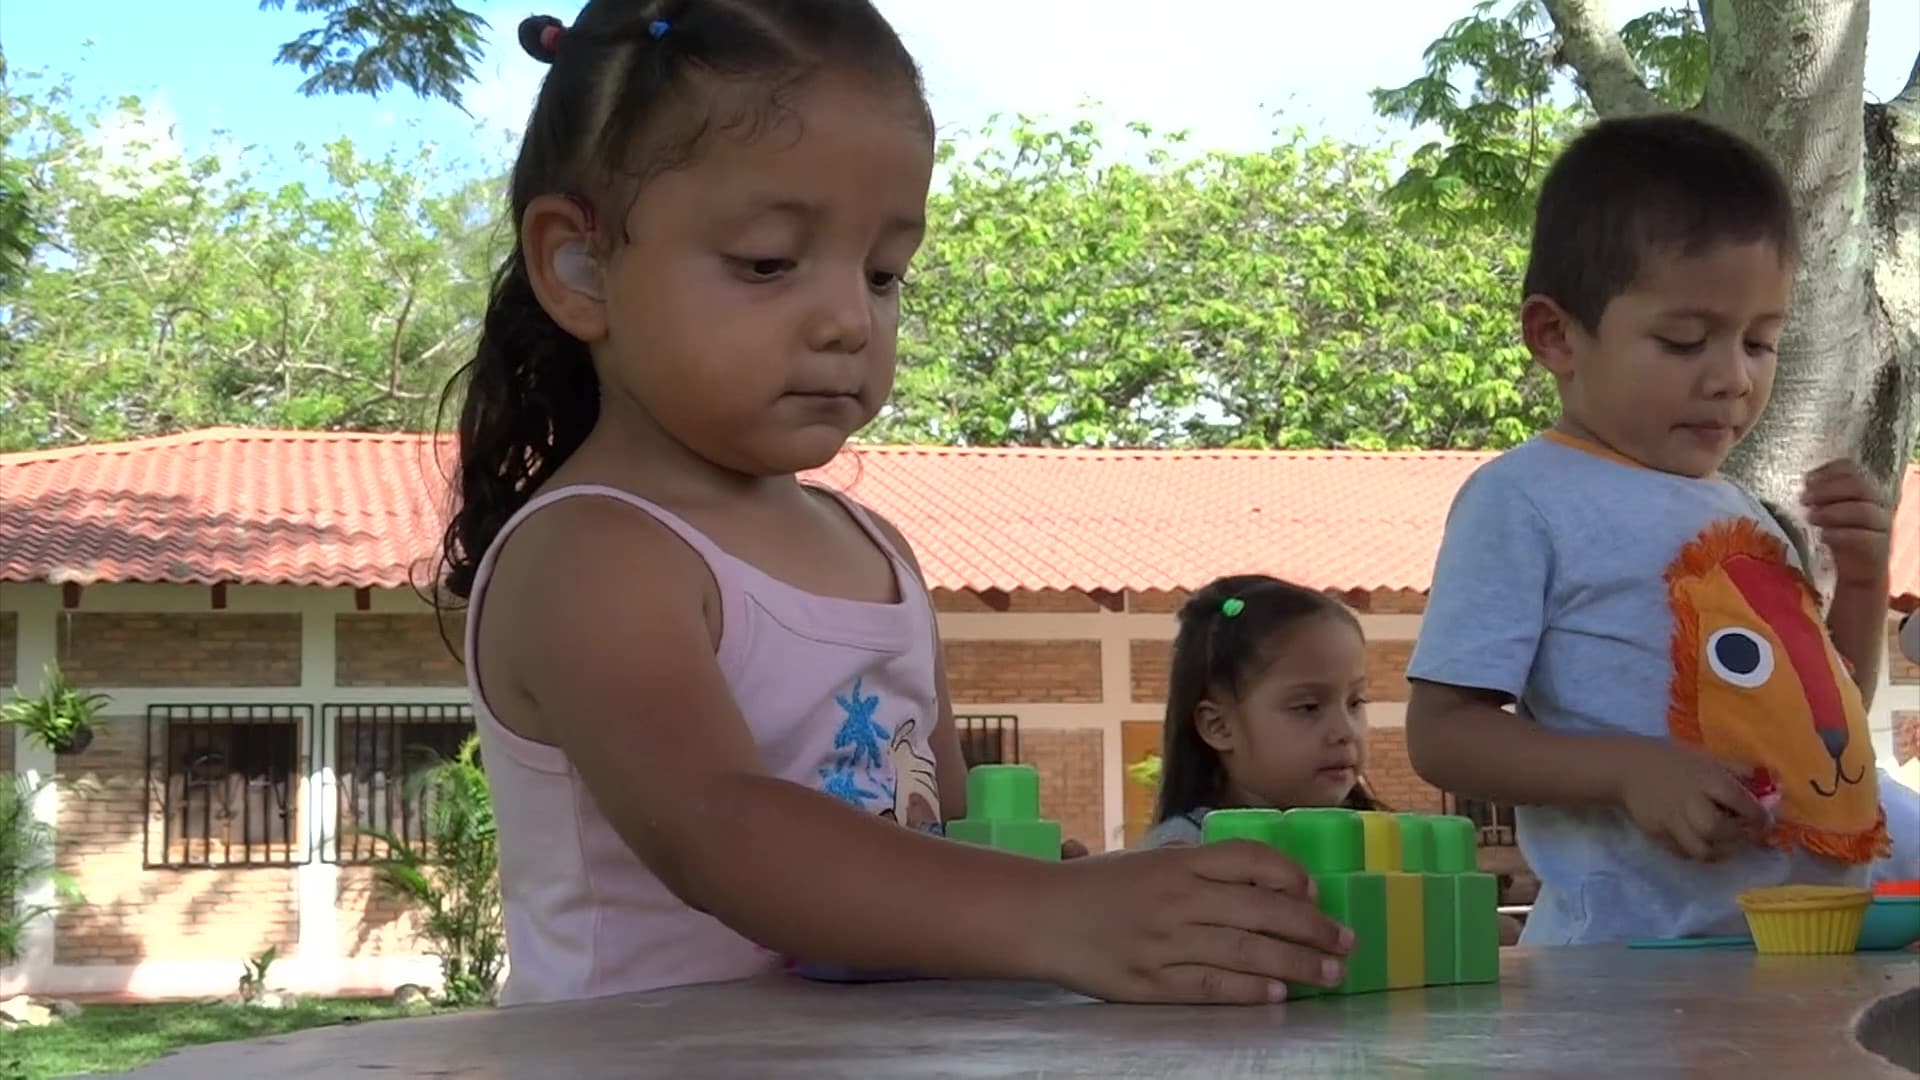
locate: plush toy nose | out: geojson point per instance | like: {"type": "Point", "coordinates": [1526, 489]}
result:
{"type": "Point", "coordinates": [1835, 740]}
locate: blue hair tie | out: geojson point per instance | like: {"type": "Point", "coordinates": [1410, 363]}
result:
{"type": "Point", "coordinates": [658, 28]}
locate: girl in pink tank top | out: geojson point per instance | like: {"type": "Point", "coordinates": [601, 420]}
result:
{"type": "Point", "coordinates": [709, 696]}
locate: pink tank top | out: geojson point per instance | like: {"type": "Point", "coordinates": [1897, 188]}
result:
{"type": "Point", "coordinates": [839, 695]}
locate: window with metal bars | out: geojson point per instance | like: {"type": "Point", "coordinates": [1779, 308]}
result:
{"type": "Point", "coordinates": [1494, 820]}
{"type": "Point", "coordinates": [380, 758]}
{"type": "Point", "coordinates": [989, 740]}
{"type": "Point", "coordinates": [225, 784]}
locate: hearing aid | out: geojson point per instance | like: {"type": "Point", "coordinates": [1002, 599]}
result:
{"type": "Point", "coordinates": [577, 269]}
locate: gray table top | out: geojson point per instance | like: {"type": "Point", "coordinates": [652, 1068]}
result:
{"type": "Point", "coordinates": [1585, 1012]}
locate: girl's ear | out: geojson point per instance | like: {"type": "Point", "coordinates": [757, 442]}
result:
{"type": "Point", "coordinates": [557, 239]}
{"type": "Point", "coordinates": [1211, 721]}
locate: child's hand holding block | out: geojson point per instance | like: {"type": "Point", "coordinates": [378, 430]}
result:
{"type": "Point", "coordinates": [1407, 885]}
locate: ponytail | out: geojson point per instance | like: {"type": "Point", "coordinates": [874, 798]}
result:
{"type": "Point", "coordinates": [531, 399]}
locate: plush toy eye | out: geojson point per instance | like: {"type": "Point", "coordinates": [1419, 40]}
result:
{"type": "Point", "coordinates": [1741, 657]}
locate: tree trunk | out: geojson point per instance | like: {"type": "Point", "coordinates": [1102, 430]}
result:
{"type": "Point", "coordinates": [1790, 75]}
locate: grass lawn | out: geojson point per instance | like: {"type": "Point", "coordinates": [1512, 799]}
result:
{"type": "Point", "coordinates": [113, 1038]}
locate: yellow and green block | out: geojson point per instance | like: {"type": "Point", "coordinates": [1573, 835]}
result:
{"type": "Point", "coordinates": [1408, 886]}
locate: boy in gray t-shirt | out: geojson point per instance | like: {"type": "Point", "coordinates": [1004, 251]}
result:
{"type": "Point", "coordinates": [1621, 642]}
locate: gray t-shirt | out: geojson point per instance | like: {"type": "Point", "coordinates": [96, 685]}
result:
{"type": "Point", "coordinates": [1606, 597]}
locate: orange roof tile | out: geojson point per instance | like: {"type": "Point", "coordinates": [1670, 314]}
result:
{"type": "Point", "coordinates": [311, 508]}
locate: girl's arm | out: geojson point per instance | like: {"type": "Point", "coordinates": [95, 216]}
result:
{"type": "Point", "coordinates": [790, 868]}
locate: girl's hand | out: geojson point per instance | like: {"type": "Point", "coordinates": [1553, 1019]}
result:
{"type": "Point", "coordinates": [1851, 514]}
{"type": "Point", "coordinates": [1226, 923]}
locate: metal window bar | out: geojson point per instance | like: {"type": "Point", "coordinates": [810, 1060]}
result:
{"type": "Point", "coordinates": [989, 740]}
{"type": "Point", "coordinates": [380, 753]}
{"type": "Point", "coordinates": [224, 785]}
{"type": "Point", "coordinates": [1494, 820]}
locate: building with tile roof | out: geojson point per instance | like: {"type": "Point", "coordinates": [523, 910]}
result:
{"type": "Point", "coordinates": [247, 601]}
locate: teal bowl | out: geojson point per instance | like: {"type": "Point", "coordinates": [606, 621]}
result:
{"type": "Point", "coordinates": [1893, 922]}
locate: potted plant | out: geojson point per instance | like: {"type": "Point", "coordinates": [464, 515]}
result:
{"type": "Point", "coordinates": [59, 717]}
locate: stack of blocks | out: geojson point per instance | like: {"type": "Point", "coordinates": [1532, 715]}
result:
{"type": "Point", "coordinates": [1003, 811]}
{"type": "Point", "coordinates": [1408, 886]}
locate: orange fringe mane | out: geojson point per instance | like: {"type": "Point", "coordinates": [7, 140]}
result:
{"type": "Point", "coordinates": [1853, 848]}
{"type": "Point", "coordinates": [1723, 540]}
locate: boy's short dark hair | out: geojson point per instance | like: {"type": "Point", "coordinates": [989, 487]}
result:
{"type": "Point", "coordinates": [1628, 187]}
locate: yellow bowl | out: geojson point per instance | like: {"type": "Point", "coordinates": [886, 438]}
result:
{"type": "Point", "coordinates": [1805, 920]}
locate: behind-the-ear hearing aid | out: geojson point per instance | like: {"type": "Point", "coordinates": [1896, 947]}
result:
{"type": "Point", "coordinates": [576, 268]}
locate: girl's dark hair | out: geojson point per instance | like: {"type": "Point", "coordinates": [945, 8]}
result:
{"type": "Point", "coordinates": [622, 102]}
{"type": "Point", "coordinates": [1225, 631]}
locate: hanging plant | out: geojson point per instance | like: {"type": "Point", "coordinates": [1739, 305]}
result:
{"type": "Point", "coordinates": [59, 717]}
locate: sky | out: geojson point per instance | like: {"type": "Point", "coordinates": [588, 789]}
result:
{"type": "Point", "coordinates": [1230, 72]}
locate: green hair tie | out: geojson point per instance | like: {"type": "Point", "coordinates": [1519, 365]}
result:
{"type": "Point", "coordinates": [1232, 606]}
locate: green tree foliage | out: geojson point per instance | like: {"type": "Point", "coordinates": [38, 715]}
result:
{"type": "Point", "coordinates": [371, 46]}
{"type": "Point", "coordinates": [1268, 299]}
{"type": "Point", "coordinates": [1494, 86]}
{"type": "Point", "coordinates": [169, 293]}
{"type": "Point", "coordinates": [452, 875]}
{"type": "Point", "coordinates": [26, 863]}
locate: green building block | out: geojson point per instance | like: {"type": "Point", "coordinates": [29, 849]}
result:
{"type": "Point", "coordinates": [1417, 844]}
{"type": "Point", "coordinates": [1438, 910]}
{"type": "Point", "coordinates": [1003, 793]}
{"type": "Point", "coordinates": [1456, 845]}
{"type": "Point", "coordinates": [1325, 842]}
{"type": "Point", "coordinates": [1040, 839]}
{"type": "Point", "coordinates": [1260, 826]}
{"type": "Point", "coordinates": [1419, 849]}
{"type": "Point", "coordinates": [1476, 927]}
{"type": "Point", "coordinates": [1359, 902]}
{"type": "Point", "coordinates": [1003, 811]}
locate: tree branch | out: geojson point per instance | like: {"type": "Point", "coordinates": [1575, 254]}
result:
{"type": "Point", "coordinates": [1599, 59]}
{"type": "Point", "coordinates": [1910, 95]}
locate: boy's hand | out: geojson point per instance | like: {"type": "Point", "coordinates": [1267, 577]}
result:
{"type": "Point", "coordinates": [1688, 801]}
{"type": "Point", "coordinates": [1850, 512]}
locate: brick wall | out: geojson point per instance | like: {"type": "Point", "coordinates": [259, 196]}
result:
{"type": "Point", "coordinates": [133, 914]}
{"type": "Point", "coordinates": [1149, 665]}
{"type": "Point", "coordinates": [212, 649]}
{"type": "Point", "coordinates": [395, 650]}
{"type": "Point", "coordinates": [1071, 792]}
{"type": "Point", "coordinates": [371, 920]}
{"type": "Point", "coordinates": [1005, 672]}
{"type": "Point", "coordinates": [1393, 777]}
{"type": "Point", "coordinates": [1150, 662]}
{"type": "Point", "coordinates": [1387, 670]}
